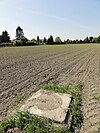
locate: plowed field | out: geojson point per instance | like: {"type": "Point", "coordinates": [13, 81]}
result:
{"type": "Point", "coordinates": [22, 68]}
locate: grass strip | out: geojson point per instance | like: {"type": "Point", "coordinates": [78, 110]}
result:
{"type": "Point", "coordinates": [28, 123]}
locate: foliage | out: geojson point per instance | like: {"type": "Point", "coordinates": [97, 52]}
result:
{"type": "Point", "coordinates": [97, 97]}
{"type": "Point", "coordinates": [98, 39]}
{"type": "Point", "coordinates": [50, 40]}
{"type": "Point", "coordinates": [90, 39]}
{"type": "Point", "coordinates": [86, 40]}
{"type": "Point", "coordinates": [28, 123]}
{"type": "Point", "coordinates": [58, 40]}
{"type": "Point", "coordinates": [30, 43]}
{"type": "Point", "coordinates": [16, 101]}
{"type": "Point", "coordinates": [38, 39]}
{"type": "Point", "coordinates": [44, 40]}
{"type": "Point", "coordinates": [5, 44]}
{"type": "Point", "coordinates": [5, 39]}
{"type": "Point", "coordinates": [34, 40]}
{"type": "Point", "coordinates": [21, 40]}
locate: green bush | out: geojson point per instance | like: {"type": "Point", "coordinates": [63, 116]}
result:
{"type": "Point", "coordinates": [5, 44]}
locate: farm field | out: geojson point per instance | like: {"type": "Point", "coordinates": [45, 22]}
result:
{"type": "Point", "coordinates": [23, 68]}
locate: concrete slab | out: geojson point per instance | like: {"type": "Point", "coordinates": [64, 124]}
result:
{"type": "Point", "coordinates": [48, 104]}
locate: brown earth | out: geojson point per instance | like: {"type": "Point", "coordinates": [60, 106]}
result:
{"type": "Point", "coordinates": [23, 68]}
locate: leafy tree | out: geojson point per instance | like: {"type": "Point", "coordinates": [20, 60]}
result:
{"type": "Point", "coordinates": [5, 37]}
{"type": "Point", "coordinates": [90, 39]}
{"type": "Point", "coordinates": [41, 41]}
{"type": "Point", "coordinates": [0, 39]}
{"type": "Point", "coordinates": [74, 41]}
{"type": "Point", "coordinates": [34, 40]}
{"type": "Point", "coordinates": [98, 39]}
{"type": "Point", "coordinates": [38, 39]}
{"type": "Point", "coordinates": [58, 40]}
{"type": "Point", "coordinates": [67, 41]}
{"type": "Point", "coordinates": [86, 40]}
{"type": "Point", "coordinates": [44, 40]}
{"type": "Point", "coordinates": [80, 41]}
{"type": "Point", "coordinates": [77, 41]}
{"type": "Point", "coordinates": [94, 40]}
{"type": "Point", "coordinates": [50, 40]}
{"type": "Point", "coordinates": [64, 42]}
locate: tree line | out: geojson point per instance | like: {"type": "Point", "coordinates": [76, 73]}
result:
{"type": "Point", "coordinates": [21, 40]}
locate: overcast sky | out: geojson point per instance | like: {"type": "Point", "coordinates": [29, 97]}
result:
{"type": "Point", "coordinates": [65, 18]}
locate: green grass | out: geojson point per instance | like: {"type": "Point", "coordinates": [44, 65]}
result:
{"type": "Point", "coordinates": [29, 123]}
{"type": "Point", "coordinates": [97, 97]}
{"type": "Point", "coordinates": [16, 101]}
{"type": "Point", "coordinates": [76, 104]}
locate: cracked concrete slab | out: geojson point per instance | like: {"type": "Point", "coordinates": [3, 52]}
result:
{"type": "Point", "coordinates": [48, 104]}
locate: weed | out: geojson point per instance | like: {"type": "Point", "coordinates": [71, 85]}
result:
{"type": "Point", "coordinates": [97, 97]}
{"type": "Point", "coordinates": [29, 123]}
{"type": "Point", "coordinates": [75, 107]}
{"type": "Point", "coordinates": [16, 101]}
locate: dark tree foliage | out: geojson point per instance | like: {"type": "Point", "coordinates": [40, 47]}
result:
{"type": "Point", "coordinates": [90, 39]}
{"type": "Point", "coordinates": [98, 39]}
{"type": "Point", "coordinates": [21, 40]}
{"type": "Point", "coordinates": [44, 40]}
{"type": "Point", "coordinates": [5, 37]}
{"type": "Point", "coordinates": [86, 40]}
{"type": "Point", "coordinates": [80, 41]}
{"type": "Point", "coordinates": [50, 40]}
{"type": "Point", "coordinates": [0, 39]}
{"type": "Point", "coordinates": [67, 41]}
{"type": "Point", "coordinates": [38, 39]}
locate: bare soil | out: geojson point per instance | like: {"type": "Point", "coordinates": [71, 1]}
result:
{"type": "Point", "coordinates": [23, 68]}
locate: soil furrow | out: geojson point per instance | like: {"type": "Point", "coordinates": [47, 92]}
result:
{"type": "Point", "coordinates": [23, 68]}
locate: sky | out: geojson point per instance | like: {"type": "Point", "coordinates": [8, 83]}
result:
{"type": "Point", "coordinates": [73, 19]}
